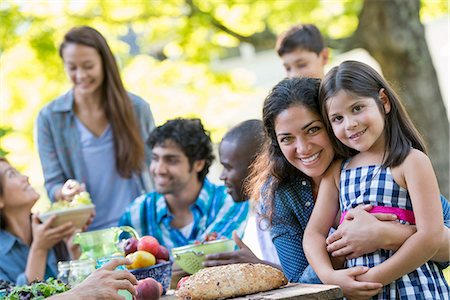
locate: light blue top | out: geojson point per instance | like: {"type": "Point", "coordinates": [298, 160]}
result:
{"type": "Point", "coordinates": [60, 147]}
{"type": "Point", "coordinates": [59, 143]}
{"type": "Point", "coordinates": [104, 183]}
{"type": "Point", "coordinates": [213, 211]}
{"type": "Point", "coordinates": [13, 259]}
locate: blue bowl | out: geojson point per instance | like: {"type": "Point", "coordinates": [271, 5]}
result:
{"type": "Point", "coordinates": [160, 272]}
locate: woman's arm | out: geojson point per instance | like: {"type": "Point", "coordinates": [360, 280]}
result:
{"type": "Point", "coordinates": [424, 192]}
{"type": "Point", "coordinates": [52, 169]}
{"type": "Point", "coordinates": [362, 233]}
{"type": "Point", "coordinates": [44, 238]}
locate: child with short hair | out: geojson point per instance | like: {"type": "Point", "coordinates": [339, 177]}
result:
{"type": "Point", "coordinates": [384, 163]}
{"type": "Point", "coordinates": [303, 51]}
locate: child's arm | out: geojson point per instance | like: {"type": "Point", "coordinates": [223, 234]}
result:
{"type": "Point", "coordinates": [424, 192]}
{"type": "Point", "coordinates": [321, 220]}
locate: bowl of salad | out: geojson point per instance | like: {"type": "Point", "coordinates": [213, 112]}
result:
{"type": "Point", "coordinates": [76, 211]}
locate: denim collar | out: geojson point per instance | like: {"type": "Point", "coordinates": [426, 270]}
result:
{"type": "Point", "coordinates": [64, 103]}
{"type": "Point", "coordinates": [7, 240]}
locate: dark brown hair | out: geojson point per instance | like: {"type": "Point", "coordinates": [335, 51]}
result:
{"type": "Point", "coordinates": [271, 168]}
{"type": "Point", "coordinates": [61, 251]}
{"type": "Point", "coordinates": [190, 136]}
{"type": "Point", "coordinates": [361, 80]}
{"type": "Point", "coordinates": [304, 37]}
{"type": "Point", "coordinates": [128, 144]}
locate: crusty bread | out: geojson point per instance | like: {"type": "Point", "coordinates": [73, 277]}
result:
{"type": "Point", "coordinates": [230, 281]}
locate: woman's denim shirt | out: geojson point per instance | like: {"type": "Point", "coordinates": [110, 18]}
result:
{"type": "Point", "coordinates": [59, 144]}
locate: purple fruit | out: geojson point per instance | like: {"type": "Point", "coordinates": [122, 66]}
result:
{"type": "Point", "coordinates": [131, 246]}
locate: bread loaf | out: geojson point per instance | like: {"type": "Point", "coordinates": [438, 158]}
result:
{"type": "Point", "coordinates": [230, 281]}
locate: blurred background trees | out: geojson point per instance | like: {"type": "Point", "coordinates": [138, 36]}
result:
{"type": "Point", "coordinates": [167, 51]}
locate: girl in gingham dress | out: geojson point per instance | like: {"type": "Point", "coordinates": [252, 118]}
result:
{"type": "Point", "coordinates": [384, 164]}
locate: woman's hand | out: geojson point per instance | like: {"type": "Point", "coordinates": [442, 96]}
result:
{"type": "Point", "coordinates": [351, 287]}
{"type": "Point", "coordinates": [358, 234]}
{"type": "Point", "coordinates": [243, 255]}
{"type": "Point", "coordinates": [45, 237]}
{"type": "Point", "coordinates": [70, 188]}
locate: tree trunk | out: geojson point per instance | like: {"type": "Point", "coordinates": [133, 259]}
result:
{"type": "Point", "coordinates": [390, 30]}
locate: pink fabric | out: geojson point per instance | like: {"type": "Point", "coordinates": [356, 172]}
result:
{"type": "Point", "coordinates": [402, 214]}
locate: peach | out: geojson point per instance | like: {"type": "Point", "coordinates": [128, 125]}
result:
{"type": "Point", "coordinates": [149, 244]}
{"type": "Point", "coordinates": [163, 253]}
{"type": "Point", "coordinates": [147, 289]}
{"type": "Point", "coordinates": [131, 245]}
{"type": "Point", "coordinates": [140, 259]}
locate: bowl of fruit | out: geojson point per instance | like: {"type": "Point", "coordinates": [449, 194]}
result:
{"type": "Point", "coordinates": [190, 258]}
{"type": "Point", "coordinates": [149, 260]}
{"type": "Point", "coordinates": [76, 211]}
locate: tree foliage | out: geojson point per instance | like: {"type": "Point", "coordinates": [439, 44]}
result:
{"type": "Point", "coordinates": [164, 49]}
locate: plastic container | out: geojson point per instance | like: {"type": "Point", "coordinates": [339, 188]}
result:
{"type": "Point", "coordinates": [191, 257]}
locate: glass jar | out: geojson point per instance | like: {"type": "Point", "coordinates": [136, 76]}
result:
{"type": "Point", "coordinates": [64, 271]}
{"type": "Point", "coordinates": [79, 270]}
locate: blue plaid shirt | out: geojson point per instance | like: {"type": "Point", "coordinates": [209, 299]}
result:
{"type": "Point", "coordinates": [213, 211]}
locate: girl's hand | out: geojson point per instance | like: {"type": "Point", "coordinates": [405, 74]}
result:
{"type": "Point", "coordinates": [357, 235]}
{"type": "Point", "coordinates": [352, 288]}
{"type": "Point", "coordinates": [243, 255]}
{"type": "Point", "coordinates": [45, 237]}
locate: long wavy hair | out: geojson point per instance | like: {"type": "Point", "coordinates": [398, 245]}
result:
{"type": "Point", "coordinates": [271, 168]}
{"type": "Point", "coordinates": [361, 80]}
{"type": "Point", "coordinates": [128, 143]}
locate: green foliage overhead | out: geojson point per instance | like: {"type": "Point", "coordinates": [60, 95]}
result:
{"type": "Point", "coordinates": [164, 49]}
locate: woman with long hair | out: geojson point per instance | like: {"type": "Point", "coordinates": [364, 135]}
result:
{"type": "Point", "coordinates": [95, 132]}
{"type": "Point", "coordinates": [286, 179]}
{"type": "Point", "coordinates": [30, 249]}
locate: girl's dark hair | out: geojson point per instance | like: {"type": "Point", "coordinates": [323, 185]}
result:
{"type": "Point", "coordinates": [128, 144]}
{"type": "Point", "coordinates": [271, 168]}
{"type": "Point", "coordinates": [361, 80]}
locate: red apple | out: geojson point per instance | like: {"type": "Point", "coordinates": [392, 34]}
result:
{"type": "Point", "coordinates": [163, 253]}
{"type": "Point", "coordinates": [149, 244]}
{"type": "Point", "coordinates": [131, 245]}
{"type": "Point", "coordinates": [148, 289]}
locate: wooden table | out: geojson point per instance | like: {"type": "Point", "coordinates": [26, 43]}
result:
{"type": "Point", "coordinates": [292, 291]}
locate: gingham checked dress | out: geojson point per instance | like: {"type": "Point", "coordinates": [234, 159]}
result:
{"type": "Point", "coordinates": [375, 185]}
